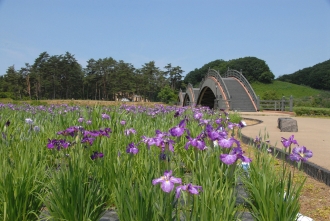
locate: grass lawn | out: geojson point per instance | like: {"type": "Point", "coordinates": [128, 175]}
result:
{"type": "Point", "coordinates": [284, 89]}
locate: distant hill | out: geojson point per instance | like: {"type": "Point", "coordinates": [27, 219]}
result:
{"type": "Point", "coordinates": [317, 77]}
{"type": "Point", "coordinates": [280, 89]}
{"type": "Point", "coordinates": [303, 96]}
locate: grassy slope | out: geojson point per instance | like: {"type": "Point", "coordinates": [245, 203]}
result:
{"type": "Point", "coordinates": [285, 89]}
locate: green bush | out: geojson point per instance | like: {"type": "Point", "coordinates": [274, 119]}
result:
{"type": "Point", "coordinates": [6, 95]}
{"type": "Point", "coordinates": [167, 95]}
{"type": "Point", "coordinates": [310, 111]}
{"type": "Point", "coordinates": [266, 77]}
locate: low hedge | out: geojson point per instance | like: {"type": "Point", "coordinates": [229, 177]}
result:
{"type": "Point", "coordinates": [311, 111]}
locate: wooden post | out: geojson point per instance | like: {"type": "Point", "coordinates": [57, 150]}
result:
{"type": "Point", "coordinates": [291, 103]}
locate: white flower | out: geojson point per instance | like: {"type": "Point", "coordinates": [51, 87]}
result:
{"type": "Point", "coordinates": [29, 121]}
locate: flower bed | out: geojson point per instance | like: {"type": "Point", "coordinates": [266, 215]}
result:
{"type": "Point", "coordinates": [160, 163]}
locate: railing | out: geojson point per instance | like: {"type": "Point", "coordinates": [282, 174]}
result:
{"type": "Point", "coordinates": [277, 105]}
{"type": "Point", "coordinates": [238, 75]}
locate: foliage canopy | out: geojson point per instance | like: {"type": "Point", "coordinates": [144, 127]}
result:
{"type": "Point", "coordinates": [317, 76]}
{"type": "Point", "coordinates": [253, 69]}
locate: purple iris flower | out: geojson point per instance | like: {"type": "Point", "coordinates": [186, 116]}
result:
{"type": "Point", "coordinates": [105, 116]}
{"type": "Point", "coordinates": [168, 143]}
{"type": "Point", "coordinates": [122, 122]}
{"type": "Point", "coordinates": [179, 112]}
{"type": "Point", "coordinates": [149, 141]}
{"type": "Point", "coordinates": [132, 149]}
{"type": "Point", "coordinates": [177, 131]}
{"type": "Point", "coordinates": [219, 121]}
{"type": "Point", "coordinates": [257, 141]}
{"type": "Point", "coordinates": [228, 143]}
{"type": "Point", "coordinates": [190, 188]}
{"type": "Point", "coordinates": [160, 134]}
{"type": "Point", "coordinates": [90, 133]}
{"type": "Point", "coordinates": [300, 154]}
{"type": "Point", "coordinates": [203, 122]}
{"type": "Point", "coordinates": [287, 142]}
{"type": "Point", "coordinates": [231, 125]}
{"type": "Point", "coordinates": [233, 156]}
{"type": "Point", "coordinates": [198, 115]}
{"type": "Point", "coordinates": [158, 141]}
{"type": "Point", "coordinates": [162, 156]}
{"type": "Point", "coordinates": [99, 133]}
{"type": "Point", "coordinates": [213, 134]}
{"type": "Point", "coordinates": [88, 122]}
{"type": "Point", "coordinates": [130, 131]}
{"type": "Point", "coordinates": [80, 119]}
{"type": "Point", "coordinates": [162, 140]}
{"type": "Point", "coordinates": [71, 131]}
{"type": "Point", "coordinates": [88, 140]}
{"type": "Point", "coordinates": [242, 124]}
{"type": "Point", "coordinates": [106, 132]}
{"type": "Point", "coordinates": [167, 181]}
{"type": "Point", "coordinates": [58, 144]}
{"type": "Point", "coordinates": [197, 142]}
{"type": "Point", "coordinates": [96, 155]}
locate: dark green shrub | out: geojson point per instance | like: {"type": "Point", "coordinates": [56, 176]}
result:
{"type": "Point", "coordinates": [266, 77]}
{"type": "Point", "coordinates": [6, 95]}
{"type": "Point", "coordinates": [310, 111]}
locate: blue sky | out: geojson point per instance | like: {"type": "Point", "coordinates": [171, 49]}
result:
{"type": "Point", "coordinates": [288, 34]}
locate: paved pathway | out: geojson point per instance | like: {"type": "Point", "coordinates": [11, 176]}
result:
{"type": "Point", "coordinates": [313, 133]}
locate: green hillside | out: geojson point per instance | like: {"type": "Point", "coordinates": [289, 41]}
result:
{"type": "Point", "coordinates": [317, 76]}
{"type": "Point", "coordinates": [303, 96]}
{"type": "Point", "coordinates": [286, 89]}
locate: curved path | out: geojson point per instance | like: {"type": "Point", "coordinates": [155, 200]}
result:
{"type": "Point", "coordinates": [313, 133]}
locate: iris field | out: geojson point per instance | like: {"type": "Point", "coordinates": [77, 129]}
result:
{"type": "Point", "coordinates": [62, 162]}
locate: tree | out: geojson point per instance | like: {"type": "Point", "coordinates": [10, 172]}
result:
{"type": "Point", "coordinates": [71, 77]}
{"type": "Point", "coordinates": [174, 76]}
{"type": "Point", "coordinates": [91, 79]}
{"type": "Point", "coordinates": [266, 77]}
{"type": "Point", "coordinates": [25, 72]}
{"type": "Point", "coordinates": [195, 77]}
{"type": "Point", "coordinates": [149, 74]}
{"type": "Point", "coordinates": [124, 79]}
{"type": "Point", "coordinates": [251, 67]}
{"type": "Point", "coordinates": [13, 83]}
{"type": "Point", "coordinates": [167, 95]}
{"type": "Point", "coordinates": [38, 74]}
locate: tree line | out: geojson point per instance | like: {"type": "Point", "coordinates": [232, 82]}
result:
{"type": "Point", "coordinates": [317, 76]}
{"type": "Point", "coordinates": [62, 77]}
